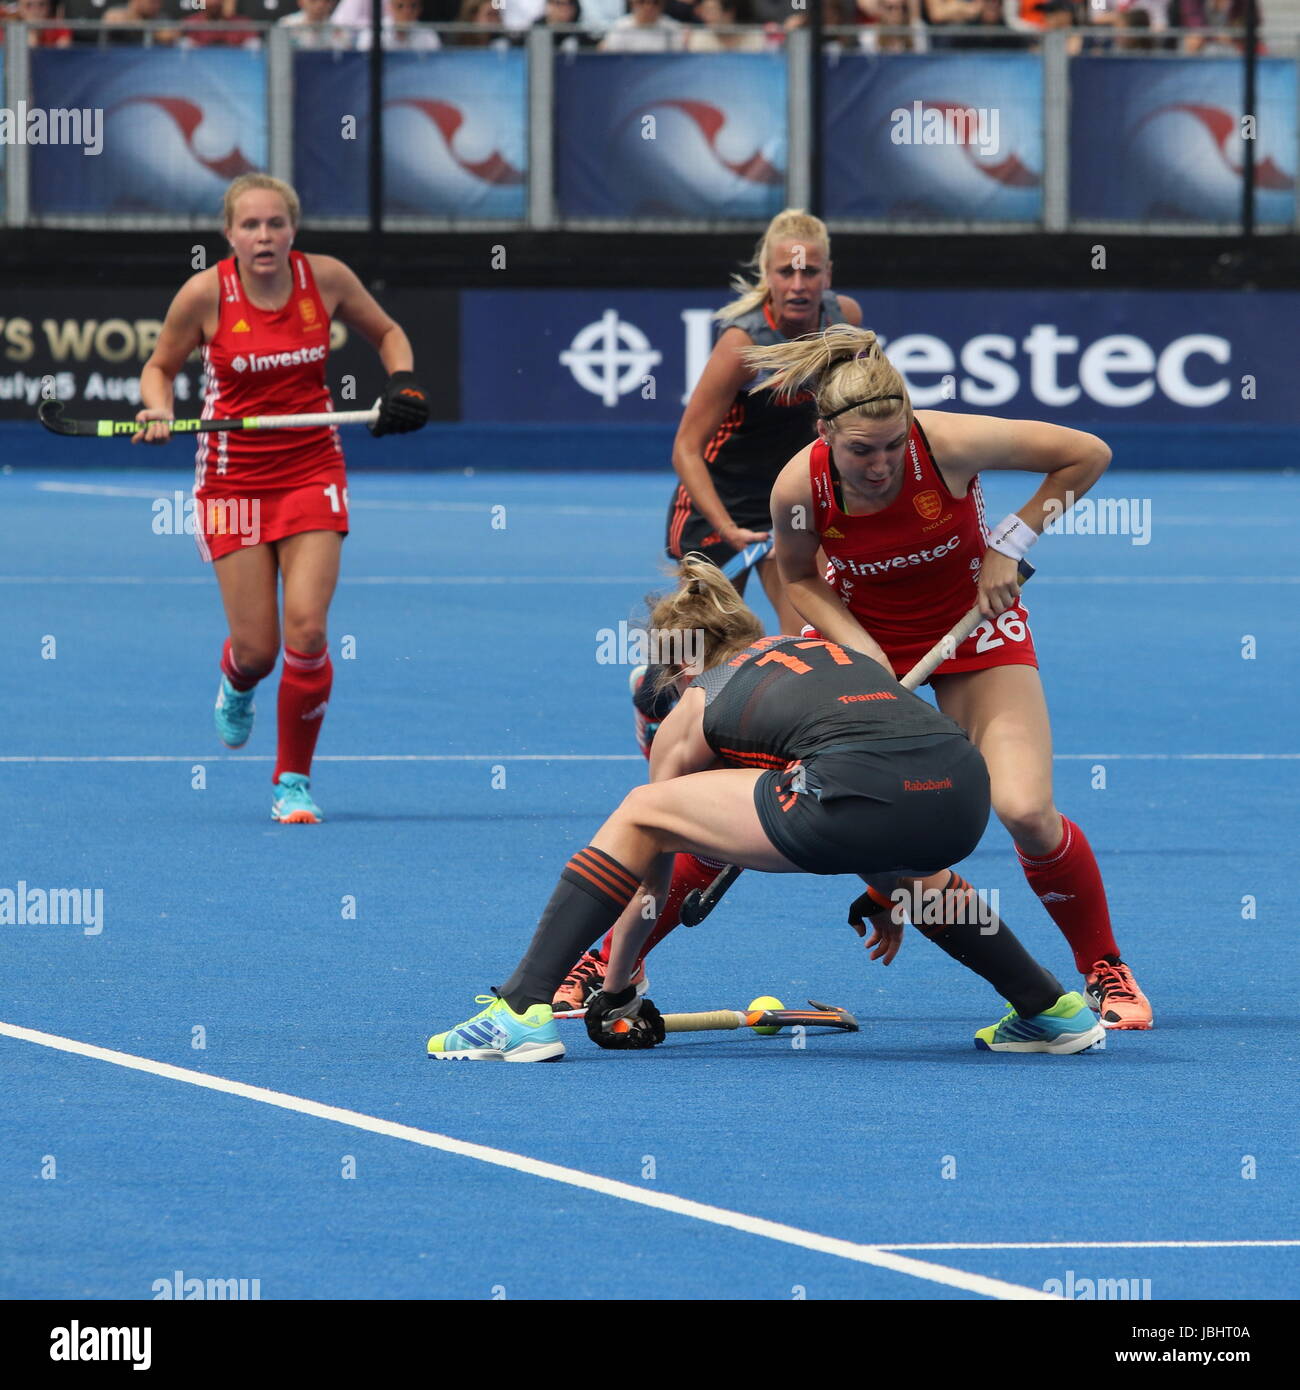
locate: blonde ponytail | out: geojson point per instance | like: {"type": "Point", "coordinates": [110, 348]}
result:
{"type": "Point", "coordinates": [704, 613]}
{"type": "Point", "coordinates": [791, 224]}
{"type": "Point", "coordinates": [845, 367]}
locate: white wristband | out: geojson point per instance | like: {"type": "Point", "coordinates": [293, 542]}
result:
{"type": "Point", "coordinates": [1012, 537]}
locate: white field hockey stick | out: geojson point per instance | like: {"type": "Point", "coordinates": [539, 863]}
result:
{"type": "Point", "coordinates": [698, 903]}
{"type": "Point", "coordinates": [51, 416]}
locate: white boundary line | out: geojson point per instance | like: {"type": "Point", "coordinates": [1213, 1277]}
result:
{"type": "Point", "coordinates": [1099, 1245]}
{"type": "Point", "coordinates": [567, 757]}
{"type": "Point", "coordinates": [428, 505]}
{"type": "Point", "coordinates": [559, 509]}
{"type": "Point", "coordinates": [393, 580]}
{"type": "Point", "coordinates": [552, 1172]}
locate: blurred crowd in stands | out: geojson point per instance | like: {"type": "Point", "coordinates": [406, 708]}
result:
{"type": "Point", "coordinates": [643, 26]}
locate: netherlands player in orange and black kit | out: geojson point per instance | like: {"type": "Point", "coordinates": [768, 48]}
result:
{"type": "Point", "coordinates": [787, 755]}
{"type": "Point", "coordinates": [730, 446]}
{"type": "Point", "coordinates": [732, 443]}
{"type": "Point", "coordinates": [273, 506]}
{"type": "Point", "coordinates": [893, 499]}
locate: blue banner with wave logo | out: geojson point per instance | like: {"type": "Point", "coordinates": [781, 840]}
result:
{"type": "Point", "coordinates": [1161, 140]}
{"type": "Point", "coordinates": [455, 137]}
{"type": "Point", "coordinates": [174, 127]}
{"type": "Point", "coordinates": [698, 135]}
{"type": "Point", "coordinates": [932, 138]}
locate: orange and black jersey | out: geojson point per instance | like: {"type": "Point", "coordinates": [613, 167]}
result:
{"type": "Point", "coordinates": [791, 697]}
{"type": "Point", "coordinates": [760, 434]}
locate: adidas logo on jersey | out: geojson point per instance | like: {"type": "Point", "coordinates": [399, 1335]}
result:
{"type": "Point", "coordinates": [834, 534]}
{"type": "Point", "coordinates": [241, 327]}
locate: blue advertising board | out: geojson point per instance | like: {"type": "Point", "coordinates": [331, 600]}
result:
{"type": "Point", "coordinates": [164, 130]}
{"type": "Point", "coordinates": [1162, 140]}
{"type": "Point", "coordinates": [922, 137]}
{"type": "Point", "coordinates": [455, 142]}
{"type": "Point", "coordinates": [672, 135]}
{"type": "Point", "coordinates": [1086, 357]}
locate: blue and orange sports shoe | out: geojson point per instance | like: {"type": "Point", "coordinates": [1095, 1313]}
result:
{"type": "Point", "coordinates": [234, 714]}
{"type": "Point", "coordinates": [293, 804]}
{"type": "Point", "coordinates": [498, 1034]}
{"type": "Point", "coordinates": [1068, 1026]}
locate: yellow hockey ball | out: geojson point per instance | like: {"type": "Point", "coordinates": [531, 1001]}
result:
{"type": "Point", "coordinates": [763, 1002]}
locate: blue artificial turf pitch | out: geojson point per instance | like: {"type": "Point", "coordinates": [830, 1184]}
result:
{"type": "Point", "coordinates": [473, 742]}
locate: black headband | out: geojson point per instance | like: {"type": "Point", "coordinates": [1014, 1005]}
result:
{"type": "Point", "coordinates": [853, 405]}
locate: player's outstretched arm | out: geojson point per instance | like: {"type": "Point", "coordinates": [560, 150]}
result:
{"type": "Point", "coordinates": [679, 748]}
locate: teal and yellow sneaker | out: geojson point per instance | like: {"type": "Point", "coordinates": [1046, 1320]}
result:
{"type": "Point", "coordinates": [1068, 1026]}
{"type": "Point", "coordinates": [234, 714]}
{"type": "Point", "coordinates": [293, 804]}
{"type": "Point", "coordinates": [498, 1034]}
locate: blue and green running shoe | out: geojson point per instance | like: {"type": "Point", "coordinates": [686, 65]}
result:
{"type": "Point", "coordinates": [1068, 1026]}
{"type": "Point", "coordinates": [293, 804]}
{"type": "Point", "coordinates": [498, 1034]}
{"type": "Point", "coordinates": [234, 714]}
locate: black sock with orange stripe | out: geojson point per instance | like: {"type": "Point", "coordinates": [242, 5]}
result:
{"type": "Point", "coordinates": [590, 897]}
{"type": "Point", "coordinates": [972, 933]}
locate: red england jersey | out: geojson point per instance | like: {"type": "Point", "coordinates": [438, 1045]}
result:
{"type": "Point", "coordinates": [909, 573]}
{"type": "Point", "coordinates": [267, 362]}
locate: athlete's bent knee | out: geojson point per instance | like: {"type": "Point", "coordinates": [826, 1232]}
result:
{"type": "Point", "coordinates": [1030, 823]}
{"type": "Point", "coordinates": [253, 658]}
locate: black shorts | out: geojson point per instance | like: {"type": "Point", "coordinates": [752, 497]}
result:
{"type": "Point", "coordinates": [907, 805]}
{"type": "Point", "coordinates": [688, 530]}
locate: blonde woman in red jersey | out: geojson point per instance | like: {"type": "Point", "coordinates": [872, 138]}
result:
{"type": "Point", "coordinates": [273, 507]}
{"type": "Point", "coordinates": [893, 497]}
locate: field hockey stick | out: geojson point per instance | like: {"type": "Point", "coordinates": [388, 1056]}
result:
{"type": "Point", "coordinates": [51, 416]}
{"type": "Point", "coordinates": [747, 558]}
{"type": "Point", "coordinates": [944, 648]}
{"type": "Point", "coordinates": [728, 1020]}
{"type": "Point", "coordinates": [698, 903]}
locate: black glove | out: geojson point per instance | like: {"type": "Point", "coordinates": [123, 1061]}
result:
{"type": "Point", "coordinates": [640, 1024]}
{"type": "Point", "coordinates": [403, 406]}
{"type": "Point", "coordinates": [864, 907]}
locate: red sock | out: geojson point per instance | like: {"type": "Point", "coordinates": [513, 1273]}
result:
{"type": "Point", "coordinates": [688, 873]}
{"type": "Point", "coordinates": [1068, 884]}
{"type": "Point", "coordinates": [232, 673]}
{"type": "Point", "coordinates": [304, 693]}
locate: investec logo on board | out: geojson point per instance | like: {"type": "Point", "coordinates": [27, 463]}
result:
{"type": "Point", "coordinates": [614, 358]}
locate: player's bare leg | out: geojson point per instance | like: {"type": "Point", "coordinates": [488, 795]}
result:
{"type": "Point", "coordinates": [710, 813]}
{"type": "Point", "coordinates": [1004, 711]}
{"type": "Point", "coordinates": [309, 566]}
{"type": "Point", "coordinates": [247, 580]}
